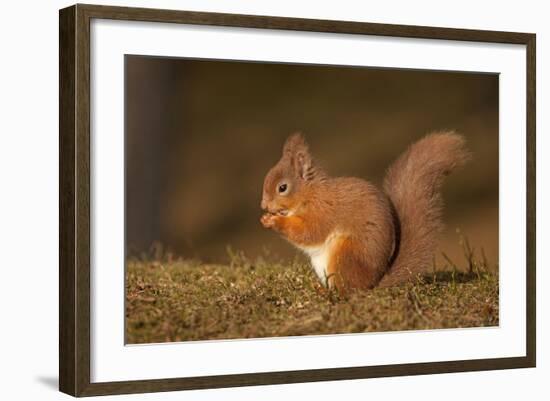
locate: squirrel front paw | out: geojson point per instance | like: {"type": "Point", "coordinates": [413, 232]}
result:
{"type": "Point", "coordinates": [268, 220]}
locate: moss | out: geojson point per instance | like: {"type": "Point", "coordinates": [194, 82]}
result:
{"type": "Point", "coordinates": [180, 300]}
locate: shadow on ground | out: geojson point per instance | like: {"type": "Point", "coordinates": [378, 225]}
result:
{"type": "Point", "coordinates": [444, 277]}
{"type": "Point", "coordinates": [49, 381]}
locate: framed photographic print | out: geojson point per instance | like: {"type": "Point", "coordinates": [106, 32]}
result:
{"type": "Point", "coordinates": [250, 200]}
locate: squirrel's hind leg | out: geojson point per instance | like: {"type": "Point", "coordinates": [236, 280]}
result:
{"type": "Point", "coordinates": [348, 268]}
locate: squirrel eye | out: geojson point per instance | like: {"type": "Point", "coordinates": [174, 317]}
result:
{"type": "Point", "coordinates": [282, 188]}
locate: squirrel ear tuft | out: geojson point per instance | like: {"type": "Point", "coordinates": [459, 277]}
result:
{"type": "Point", "coordinates": [297, 150]}
{"type": "Point", "coordinates": [294, 143]}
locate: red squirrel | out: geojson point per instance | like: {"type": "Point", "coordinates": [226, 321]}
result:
{"type": "Point", "coordinates": [356, 235]}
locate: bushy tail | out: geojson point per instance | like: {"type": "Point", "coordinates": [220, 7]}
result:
{"type": "Point", "coordinates": [413, 183]}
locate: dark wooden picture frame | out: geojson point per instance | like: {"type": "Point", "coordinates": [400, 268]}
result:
{"type": "Point", "coordinates": [74, 200]}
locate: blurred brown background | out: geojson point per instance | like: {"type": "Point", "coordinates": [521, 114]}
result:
{"type": "Point", "coordinates": [201, 135]}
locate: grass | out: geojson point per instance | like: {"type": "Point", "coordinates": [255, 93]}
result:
{"type": "Point", "coordinates": [180, 300]}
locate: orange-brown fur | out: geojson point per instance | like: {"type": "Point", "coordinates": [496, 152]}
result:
{"type": "Point", "coordinates": [372, 237]}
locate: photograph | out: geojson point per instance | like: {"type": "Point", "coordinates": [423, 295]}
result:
{"type": "Point", "coordinates": [258, 199]}
{"type": "Point", "coordinates": [269, 199]}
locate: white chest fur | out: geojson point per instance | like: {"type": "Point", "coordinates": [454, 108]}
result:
{"type": "Point", "coordinates": [320, 256]}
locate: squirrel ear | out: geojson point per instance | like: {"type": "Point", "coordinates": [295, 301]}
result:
{"type": "Point", "coordinates": [304, 165]}
{"type": "Point", "coordinates": [294, 143]}
{"type": "Point", "coordinates": [297, 150]}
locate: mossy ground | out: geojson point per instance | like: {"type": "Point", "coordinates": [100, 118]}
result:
{"type": "Point", "coordinates": [181, 300]}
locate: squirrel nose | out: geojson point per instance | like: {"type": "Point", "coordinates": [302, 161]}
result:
{"type": "Point", "coordinates": [264, 204]}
